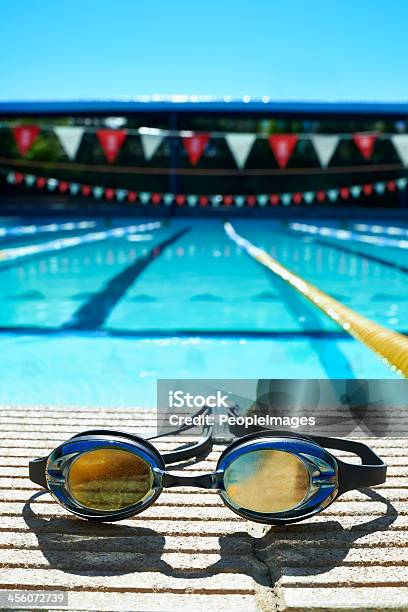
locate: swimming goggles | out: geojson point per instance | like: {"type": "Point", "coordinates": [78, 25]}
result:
{"type": "Point", "coordinates": [271, 477]}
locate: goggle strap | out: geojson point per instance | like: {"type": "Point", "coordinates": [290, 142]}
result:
{"type": "Point", "coordinates": [202, 447]}
{"type": "Point", "coordinates": [366, 454]}
{"type": "Point", "coordinates": [36, 468]}
{"type": "Point", "coordinates": [360, 476]}
{"type": "Point", "coordinates": [371, 472]}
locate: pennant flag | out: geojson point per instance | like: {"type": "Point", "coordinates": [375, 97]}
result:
{"type": "Point", "coordinates": [29, 180]}
{"type": "Point", "coordinates": [24, 136]}
{"type": "Point", "coordinates": [97, 192]}
{"type": "Point", "coordinates": [240, 146]}
{"type": "Point", "coordinates": [52, 184]}
{"type": "Point", "coordinates": [194, 146]}
{"type": "Point", "coordinates": [111, 142]}
{"type": "Point", "coordinates": [380, 187]}
{"type": "Point", "coordinates": [239, 200]}
{"type": "Point", "coordinates": [344, 193]}
{"type": "Point", "coordinates": [63, 186]}
{"type": "Point", "coordinates": [286, 198]}
{"type": "Point", "coordinates": [325, 147]}
{"type": "Point", "coordinates": [70, 139]}
{"type": "Point", "coordinates": [74, 188]}
{"type": "Point", "coordinates": [283, 146]}
{"type": "Point", "coordinates": [144, 197]}
{"type": "Point", "coordinates": [168, 199]}
{"type": "Point", "coordinates": [216, 200]}
{"type": "Point", "coordinates": [400, 142]}
{"type": "Point", "coordinates": [365, 144]}
{"type": "Point", "coordinates": [11, 178]}
{"type": "Point", "coordinates": [192, 200]}
{"type": "Point", "coordinates": [150, 144]}
{"type": "Point", "coordinates": [309, 196]}
{"type": "Point", "coordinates": [109, 193]}
{"type": "Point", "coordinates": [121, 194]}
{"type": "Point", "coordinates": [401, 183]}
{"type": "Point", "coordinates": [262, 200]}
{"type": "Point", "coordinates": [355, 191]}
{"type": "Point", "coordinates": [333, 194]}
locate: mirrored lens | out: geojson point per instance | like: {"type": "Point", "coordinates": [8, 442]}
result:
{"type": "Point", "coordinates": [266, 480]}
{"type": "Point", "coordinates": [109, 479]}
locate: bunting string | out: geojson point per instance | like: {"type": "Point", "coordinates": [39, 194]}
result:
{"type": "Point", "coordinates": [239, 144]}
{"type": "Point", "coordinates": [144, 198]}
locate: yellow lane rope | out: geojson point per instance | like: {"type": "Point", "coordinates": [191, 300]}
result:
{"type": "Point", "coordinates": [390, 346]}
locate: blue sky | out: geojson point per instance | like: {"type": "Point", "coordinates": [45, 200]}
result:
{"type": "Point", "coordinates": [292, 49]}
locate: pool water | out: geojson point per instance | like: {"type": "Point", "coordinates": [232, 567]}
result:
{"type": "Point", "coordinates": [93, 314]}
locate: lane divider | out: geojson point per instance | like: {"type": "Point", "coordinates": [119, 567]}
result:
{"type": "Point", "coordinates": [64, 243]}
{"type": "Point", "coordinates": [391, 230]}
{"type": "Point", "coordinates": [347, 248]}
{"type": "Point", "coordinates": [342, 234]}
{"type": "Point", "coordinates": [23, 230]}
{"type": "Point", "coordinates": [389, 345]}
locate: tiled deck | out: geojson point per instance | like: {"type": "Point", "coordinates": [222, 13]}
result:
{"type": "Point", "coordinates": [188, 550]}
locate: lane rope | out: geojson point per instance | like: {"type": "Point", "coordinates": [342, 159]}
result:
{"type": "Point", "coordinates": [389, 345]}
{"type": "Point", "coordinates": [58, 244]}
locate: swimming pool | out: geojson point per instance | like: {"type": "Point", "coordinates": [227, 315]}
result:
{"type": "Point", "coordinates": [94, 311]}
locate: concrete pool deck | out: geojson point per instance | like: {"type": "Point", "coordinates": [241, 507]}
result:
{"type": "Point", "coordinates": [189, 550]}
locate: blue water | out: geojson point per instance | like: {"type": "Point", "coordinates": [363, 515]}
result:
{"type": "Point", "coordinates": [98, 322]}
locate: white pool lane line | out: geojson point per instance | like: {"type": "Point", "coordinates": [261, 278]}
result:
{"type": "Point", "coordinates": [32, 229]}
{"type": "Point", "coordinates": [346, 235]}
{"type": "Point", "coordinates": [391, 230]}
{"type": "Point", "coordinates": [130, 231]}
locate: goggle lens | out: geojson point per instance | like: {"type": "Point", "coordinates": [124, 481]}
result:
{"type": "Point", "coordinates": [109, 479]}
{"type": "Point", "coordinates": [267, 481]}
